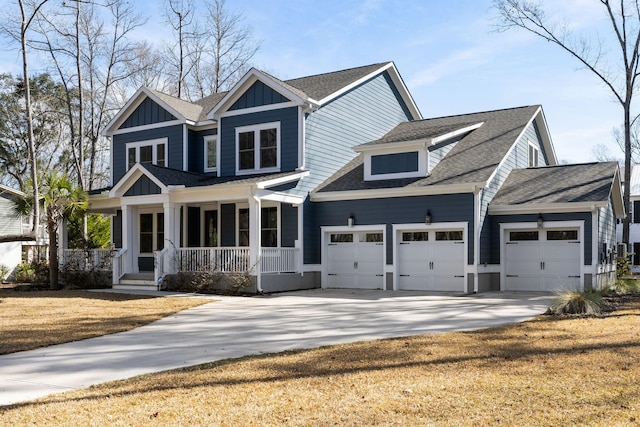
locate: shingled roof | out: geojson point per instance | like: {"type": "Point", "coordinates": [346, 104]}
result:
{"type": "Point", "coordinates": [473, 160]}
{"type": "Point", "coordinates": [587, 182]}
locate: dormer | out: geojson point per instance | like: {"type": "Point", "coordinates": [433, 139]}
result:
{"type": "Point", "coordinates": [410, 150]}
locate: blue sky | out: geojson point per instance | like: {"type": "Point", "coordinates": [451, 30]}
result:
{"type": "Point", "coordinates": [446, 51]}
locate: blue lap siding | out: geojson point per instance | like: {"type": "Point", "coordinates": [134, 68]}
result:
{"type": "Point", "coordinates": [388, 211]}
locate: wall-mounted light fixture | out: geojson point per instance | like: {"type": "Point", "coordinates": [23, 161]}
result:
{"type": "Point", "coordinates": [351, 220]}
{"type": "Point", "coordinates": [540, 220]}
{"type": "Point", "coordinates": [427, 218]}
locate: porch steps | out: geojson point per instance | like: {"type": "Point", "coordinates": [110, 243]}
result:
{"type": "Point", "coordinates": [139, 281]}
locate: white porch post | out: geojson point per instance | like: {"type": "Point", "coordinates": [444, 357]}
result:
{"type": "Point", "coordinates": [171, 233]}
{"type": "Point", "coordinates": [255, 243]}
{"type": "Point", "coordinates": [129, 238]}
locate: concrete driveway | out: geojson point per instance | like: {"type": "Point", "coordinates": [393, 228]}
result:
{"type": "Point", "coordinates": [239, 326]}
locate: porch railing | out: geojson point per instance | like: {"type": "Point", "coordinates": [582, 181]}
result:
{"type": "Point", "coordinates": [225, 260]}
{"type": "Point", "coordinates": [159, 265]}
{"type": "Point", "coordinates": [87, 259]}
{"type": "Point", "coordinates": [279, 260]}
{"type": "Point", "coordinates": [118, 265]}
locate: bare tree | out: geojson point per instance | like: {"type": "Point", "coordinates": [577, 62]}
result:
{"type": "Point", "coordinates": [212, 50]}
{"type": "Point", "coordinates": [620, 76]}
{"type": "Point", "coordinates": [28, 11]}
{"type": "Point", "coordinates": [618, 136]}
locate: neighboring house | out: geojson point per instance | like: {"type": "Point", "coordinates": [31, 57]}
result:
{"type": "Point", "coordinates": [634, 228]}
{"type": "Point", "coordinates": [335, 180]}
{"type": "Point", "coordinates": [13, 253]}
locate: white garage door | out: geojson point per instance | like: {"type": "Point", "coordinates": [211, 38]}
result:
{"type": "Point", "coordinates": [431, 260]}
{"type": "Point", "coordinates": [542, 260]}
{"type": "Point", "coordinates": [355, 260]}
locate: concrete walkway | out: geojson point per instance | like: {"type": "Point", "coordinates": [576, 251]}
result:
{"type": "Point", "coordinates": [240, 326]}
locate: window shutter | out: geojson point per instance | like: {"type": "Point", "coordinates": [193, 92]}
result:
{"type": "Point", "coordinates": [636, 211]}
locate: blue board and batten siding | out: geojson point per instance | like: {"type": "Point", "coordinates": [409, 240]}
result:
{"type": "Point", "coordinates": [196, 149]}
{"type": "Point", "coordinates": [147, 113]}
{"type": "Point", "coordinates": [517, 158]}
{"type": "Point", "coordinates": [257, 95]}
{"type": "Point", "coordinates": [388, 211]}
{"type": "Point", "coordinates": [363, 114]}
{"type": "Point", "coordinates": [288, 119]}
{"type": "Point", "coordinates": [173, 134]}
{"type": "Point", "coordinates": [142, 187]}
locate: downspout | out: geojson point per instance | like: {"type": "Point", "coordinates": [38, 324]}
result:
{"type": "Point", "coordinates": [595, 260]}
{"type": "Point", "coordinates": [478, 194]}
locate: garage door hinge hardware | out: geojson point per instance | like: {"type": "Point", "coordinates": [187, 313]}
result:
{"type": "Point", "coordinates": [378, 275]}
{"type": "Point", "coordinates": [512, 275]}
{"type": "Point", "coordinates": [575, 242]}
{"type": "Point", "coordinates": [574, 277]}
{"type": "Point", "coordinates": [458, 276]}
{"type": "Point", "coordinates": [512, 243]}
{"type": "Point", "coordinates": [405, 275]}
{"type": "Point", "coordinates": [459, 243]}
{"type": "Point", "coordinates": [404, 243]}
{"type": "Point", "coordinates": [379, 244]}
{"type": "Point", "coordinates": [332, 274]}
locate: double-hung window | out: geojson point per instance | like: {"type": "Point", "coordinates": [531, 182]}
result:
{"type": "Point", "coordinates": [258, 148]}
{"type": "Point", "coordinates": [211, 153]}
{"type": "Point", "coordinates": [154, 151]}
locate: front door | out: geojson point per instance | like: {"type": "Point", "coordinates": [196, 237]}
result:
{"type": "Point", "coordinates": [151, 238]}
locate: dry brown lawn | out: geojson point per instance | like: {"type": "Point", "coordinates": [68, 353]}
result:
{"type": "Point", "coordinates": [546, 372]}
{"type": "Point", "coordinates": [35, 319]}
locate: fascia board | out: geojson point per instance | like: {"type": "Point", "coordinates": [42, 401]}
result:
{"type": "Point", "coordinates": [393, 146]}
{"type": "Point", "coordinates": [5, 189]}
{"type": "Point", "coordinates": [453, 134]}
{"type": "Point", "coordinates": [282, 180]}
{"type": "Point", "coordinates": [546, 137]}
{"type": "Point", "coordinates": [616, 195]}
{"type": "Point", "coordinates": [245, 82]}
{"type": "Point", "coordinates": [381, 193]}
{"type": "Point", "coordinates": [279, 197]}
{"type": "Point", "coordinates": [545, 208]}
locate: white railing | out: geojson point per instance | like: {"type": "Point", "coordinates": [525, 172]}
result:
{"type": "Point", "coordinates": [279, 260]}
{"type": "Point", "coordinates": [159, 265]}
{"type": "Point", "coordinates": [87, 259]}
{"type": "Point", "coordinates": [225, 260]}
{"type": "Point", "coordinates": [118, 265]}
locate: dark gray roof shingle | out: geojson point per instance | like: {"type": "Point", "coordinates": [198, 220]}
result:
{"type": "Point", "coordinates": [473, 159]}
{"type": "Point", "coordinates": [588, 182]}
{"type": "Point", "coordinates": [191, 179]}
{"type": "Point", "coordinates": [322, 85]}
{"type": "Point", "coordinates": [417, 130]}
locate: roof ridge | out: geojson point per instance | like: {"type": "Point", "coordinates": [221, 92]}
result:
{"type": "Point", "coordinates": [569, 164]}
{"type": "Point", "coordinates": [478, 112]}
{"type": "Point", "coordinates": [337, 71]}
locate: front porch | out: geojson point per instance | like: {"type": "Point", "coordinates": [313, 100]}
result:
{"type": "Point", "coordinates": [234, 260]}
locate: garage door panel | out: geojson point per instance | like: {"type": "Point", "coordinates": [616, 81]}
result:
{"type": "Point", "coordinates": [431, 265]}
{"type": "Point", "coordinates": [543, 265]}
{"type": "Point", "coordinates": [355, 264]}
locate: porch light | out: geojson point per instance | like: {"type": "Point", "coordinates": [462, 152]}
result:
{"type": "Point", "coordinates": [351, 220]}
{"type": "Point", "coordinates": [540, 220]}
{"type": "Point", "coordinates": [427, 218]}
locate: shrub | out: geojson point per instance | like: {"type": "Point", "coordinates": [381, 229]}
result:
{"type": "Point", "coordinates": [623, 268]}
{"type": "Point", "coordinates": [78, 274]}
{"type": "Point", "coordinates": [574, 302]}
{"type": "Point", "coordinates": [4, 272]}
{"type": "Point", "coordinates": [622, 287]}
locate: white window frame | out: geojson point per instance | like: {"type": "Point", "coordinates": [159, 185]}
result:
{"type": "Point", "coordinates": [533, 161]}
{"type": "Point", "coordinates": [256, 130]}
{"type": "Point", "coordinates": [240, 206]}
{"type": "Point", "coordinates": [207, 140]}
{"type": "Point", "coordinates": [154, 156]}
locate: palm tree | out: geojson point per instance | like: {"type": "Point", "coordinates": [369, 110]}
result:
{"type": "Point", "coordinates": [59, 198]}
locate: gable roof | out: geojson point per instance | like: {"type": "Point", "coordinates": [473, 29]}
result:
{"type": "Point", "coordinates": [472, 161]}
{"type": "Point", "coordinates": [587, 183]}
{"type": "Point", "coordinates": [316, 90]}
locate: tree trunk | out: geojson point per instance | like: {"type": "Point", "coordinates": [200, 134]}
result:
{"type": "Point", "coordinates": [52, 229]}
